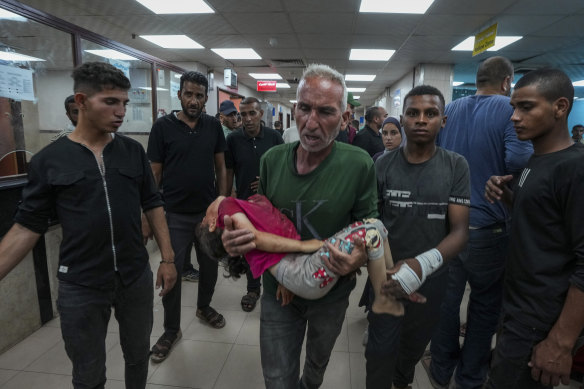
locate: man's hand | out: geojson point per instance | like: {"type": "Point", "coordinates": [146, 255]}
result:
{"type": "Point", "coordinates": [342, 263]}
{"type": "Point", "coordinates": [550, 363]}
{"type": "Point", "coordinates": [147, 232]}
{"type": "Point", "coordinates": [496, 189]}
{"type": "Point", "coordinates": [393, 288]}
{"type": "Point", "coordinates": [285, 294]}
{"type": "Point", "coordinates": [236, 242]}
{"type": "Point", "coordinates": [166, 277]}
{"type": "Point", "coordinates": [254, 185]}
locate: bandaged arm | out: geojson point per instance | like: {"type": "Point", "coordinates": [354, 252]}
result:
{"type": "Point", "coordinates": [414, 271]}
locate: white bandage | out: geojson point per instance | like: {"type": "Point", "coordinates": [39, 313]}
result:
{"type": "Point", "coordinates": [430, 261]}
{"type": "Point", "coordinates": [407, 278]}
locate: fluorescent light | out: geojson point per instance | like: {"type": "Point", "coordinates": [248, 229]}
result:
{"type": "Point", "coordinates": [176, 75]}
{"type": "Point", "coordinates": [282, 85]}
{"type": "Point", "coordinates": [356, 89]}
{"type": "Point", "coordinates": [359, 77]}
{"type": "Point", "coordinates": [16, 57]}
{"type": "Point", "coordinates": [177, 6]}
{"type": "Point", "coordinates": [112, 54]}
{"type": "Point", "coordinates": [395, 6]}
{"type": "Point", "coordinates": [293, 101]}
{"type": "Point", "coordinates": [266, 76]}
{"type": "Point", "coordinates": [237, 53]}
{"type": "Point", "coordinates": [7, 15]}
{"type": "Point", "coordinates": [149, 88]}
{"type": "Point", "coordinates": [500, 42]}
{"type": "Point", "coordinates": [356, 97]}
{"type": "Point", "coordinates": [370, 55]}
{"type": "Point", "coordinates": [578, 83]}
{"type": "Point", "coordinates": [457, 83]}
{"type": "Point", "coordinates": [173, 41]}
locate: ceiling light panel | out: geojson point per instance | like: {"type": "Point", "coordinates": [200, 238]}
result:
{"type": "Point", "coordinates": [370, 55]}
{"type": "Point", "coordinates": [177, 6]}
{"type": "Point", "coordinates": [16, 57]}
{"type": "Point", "coordinates": [266, 76]}
{"type": "Point", "coordinates": [282, 85]}
{"type": "Point", "coordinates": [112, 54]}
{"type": "Point", "coordinates": [359, 77]}
{"type": "Point", "coordinates": [395, 6]}
{"type": "Point", "coordinates": [500, 42]}
{"type": "Point", "coordinates": [355, 89]}
{"type": "Point", "coordinates": [173, 41]}
{"type": "Point", "coordinates": [237, 53]}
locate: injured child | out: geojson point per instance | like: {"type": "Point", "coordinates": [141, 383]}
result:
{"type": "Point", "coordinates": [296, 264]}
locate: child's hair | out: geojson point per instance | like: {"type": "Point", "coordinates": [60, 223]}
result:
{"type": "Point", "coordinates": [212, 245]}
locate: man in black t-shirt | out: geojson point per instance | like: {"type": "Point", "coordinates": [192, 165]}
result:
{"type": "Point", "coordinates": [244, 150]}
{"type": "Point", "coordinates": [186, 152]}
{"type": "Point", "coordinates": [544, 285]}
{"type": "Point", "coordinates": [369, 138]}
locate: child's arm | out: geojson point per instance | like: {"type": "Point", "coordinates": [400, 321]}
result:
{"type": "Point", "coordinates": [272, 243]}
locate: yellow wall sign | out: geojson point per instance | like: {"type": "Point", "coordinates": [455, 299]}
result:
{"type": "Point", "coordinates": [485, 39]}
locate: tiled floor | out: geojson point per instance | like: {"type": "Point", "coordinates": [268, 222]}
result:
{"type": "Point", "coordinates": [204, 358]}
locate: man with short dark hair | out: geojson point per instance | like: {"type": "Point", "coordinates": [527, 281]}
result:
{"type": "Point", "coordinates": [479, 128]}
{"type": "Point", "coordinates": [577, 132]}
{"type": "Point", "coordinates": [242, 158]}
{"type": "Point", "coordinates": [186, 151]}
{"type": "Point", "coordinates": [278, 127]}
{"type": "Point", "coordinates": [544, 277]}
{"type": "Point", "coordinates": [369, 138]}
{"type": "Point", "coordinates": [424, 198]}
{"type": "Point", "coordinates": [72, 112]}
{"type": "Point", "coordinates": [228, 116]}
{"type": "Point", "coordinates": [97, 182]}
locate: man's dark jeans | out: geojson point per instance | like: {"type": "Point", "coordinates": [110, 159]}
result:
{"type": "Point", "coordinates": [509, 368]}
{"type": "Point", "coordinates": [482, 264]}
{"type": "Point", "coordinates": [396, 344]}
{"type": "Point", "coordinates": [85, 313]}
{"type": "Point", "coordinates": [182, 235]}
{"type": "Point", "coordinates": [282, 331]}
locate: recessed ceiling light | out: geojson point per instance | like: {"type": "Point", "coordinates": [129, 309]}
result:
{"type": "Point", "coordinates": [282, 85]}
{"type": "Point", "coordinates": [112, 54]}
{"type": "Point", "coordinates": [293, 101]}
{"type": "Point", "coordinates": [370, 55]}
{"type": "Point", "coordinates": [149, 88]}
{"type": "Point", "coordinates": [578, 83]}
{"type": "Point", "coordinates": [359, 77]}
{"type": "Point", "coordinates": [355, 89]}
{"type": "Point", "coordinates": [237, 53]}
{"type": "Point", "coordinates": [500, 42]}
{"type": "Point", "coordinates": [395, 6]}
{"type": "Point", "coordinates": [7, 15]}
{"type": "Point", "coordinates": [177, 6]}
{"type": "Point", "coordinates": [173, 41]}
{"type": "Point", "coordinates": [457, 83]}
{"type": "Point", "coordinates": [266, 76]}
{"type": "Point", "coordinates": [357, 97]}
{"type": "Point", "coordinates": [16, 57]}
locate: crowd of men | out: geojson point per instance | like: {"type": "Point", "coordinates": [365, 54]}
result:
{"type": "Point", "coordinates": [484, 190]}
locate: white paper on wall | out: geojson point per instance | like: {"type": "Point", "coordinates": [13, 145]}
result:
{"type": "Point", "coordinates": [16, 83]}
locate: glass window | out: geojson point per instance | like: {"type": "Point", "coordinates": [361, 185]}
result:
{"type": "Point", "coordinates": [138, 120]}
{"type": "Point", "coordinates": [35, 79]}
{"type": "Point", "coordinates": [168, 86]}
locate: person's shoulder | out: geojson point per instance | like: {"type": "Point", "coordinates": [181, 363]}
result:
{"type": "Point", "coordinates": [127, 140]}
{"type": "Point", "coordinates": [452, 157]}
{"type": "Point", "coordinates": [355, 154]}
{"type": "Point", "coordinates": [277, 152]}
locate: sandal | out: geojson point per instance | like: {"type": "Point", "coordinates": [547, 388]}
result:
{"type": "Point", "coordinates": [211, 316]}
{"type": "Point", "coordinates": [161, 349]}
{"type": "Point", "coordinates": [249, 301]}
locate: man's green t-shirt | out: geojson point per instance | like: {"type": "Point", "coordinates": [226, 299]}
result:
{"type": "Point", "coordinates": [342, 189]}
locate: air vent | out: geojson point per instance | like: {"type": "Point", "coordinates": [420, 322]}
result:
{"type": "Point", "coordinates": [293, 62]}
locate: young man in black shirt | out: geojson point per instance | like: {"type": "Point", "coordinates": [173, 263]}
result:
{"type": "Point", "coordinates": [97, 183]}
{"type": "Point", "coordinates": [244, 150]}
{"type": "Point", "coordinates": [186, 151]}
{"type": "Point", "coordinates": [544, 285]}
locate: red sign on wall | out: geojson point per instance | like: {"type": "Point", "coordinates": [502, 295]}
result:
{"type": "Point", "coordinates": [266, 86]}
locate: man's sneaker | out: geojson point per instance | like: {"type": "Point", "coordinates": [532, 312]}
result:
{"type": "Point", "coordinates": [191, 275]}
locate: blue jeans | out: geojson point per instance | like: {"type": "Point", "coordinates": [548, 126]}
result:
{"type": "Point", "coordinates": [85, 313]}
{"type": "Point", "coordinates": [481, 263]}
{"type": "Point", "coordinates": [396, 344]}
{"type": "Point", "coordinates": [509, 368]}
{"type": "Point", "coordinates": [282, 332]}
{"type": "Point", "coordinates": [182, 236]}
